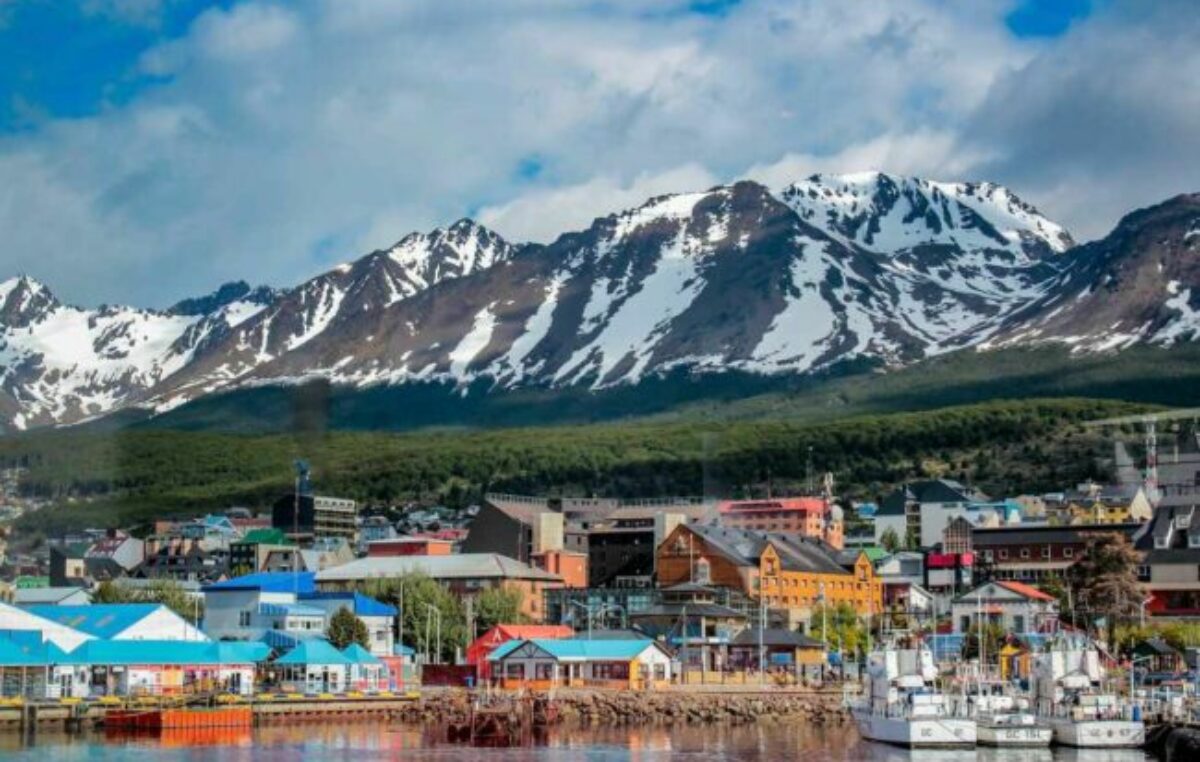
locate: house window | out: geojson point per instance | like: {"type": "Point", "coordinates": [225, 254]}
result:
{"type": "Point", "coordinates": [544, 670]}
{"type": "Point", "coordinates": [966, 624]}
{"type": "Point", "coordinates": [514, 670]}
{"type": "Point", "coordinates": [1024, 552]}
{"type": "Point", "coordinates": [1046, 552]}
{"type": "Point", "coordinates": [1068, 552]}
{"type": "Point", "coordinates": [1003, 555]}
{"type": "Point", "coordinates": [608, 670]}
{"type": "Point", "coordinates": [1143, 573]}
{"type": "Point", "coordinates": [1018, 624]}
{"type": "Point", "coordinates": [703, 571]}
{"type": "Point", "coordinates": [243, 618]}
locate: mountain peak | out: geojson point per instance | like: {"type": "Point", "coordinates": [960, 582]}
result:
{"type": "Point", "coordinates": [24, 300]}
{"type": "Point", "coordinates": [223, 296]}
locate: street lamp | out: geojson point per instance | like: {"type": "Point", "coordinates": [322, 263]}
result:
{"type": "Point", "coordinates": [433, 611]}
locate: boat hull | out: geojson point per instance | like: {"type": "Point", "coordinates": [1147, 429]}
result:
{"type": "Point", "coordinates": [931, 733]}
{"type": "Point", "coordinates": [1098, 734]}
{"type": "Point", "coordinates": [1014, 736]}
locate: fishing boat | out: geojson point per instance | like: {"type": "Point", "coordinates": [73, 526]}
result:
{"type": "Point", "coordinates": [1006, 720]}
{"type": "Point", "coordinates": [902, 704]}
{"type": "Point", "coordinates": [1071, 699]}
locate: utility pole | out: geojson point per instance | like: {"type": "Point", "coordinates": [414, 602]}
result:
{"type": "Point", "coordinates": [762, 623]}
{"type": "Point", "coordinates": [808, 470]}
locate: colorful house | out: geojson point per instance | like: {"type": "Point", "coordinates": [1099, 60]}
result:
{"type": "Point", "coordinates": [367, 671]}
{"type": "Point", "coordinates": [160, 667]}
{"type": "Point", "coordinates": [541, 664]}
{"type": "Point", "coordinates": [481, 647]}
{"type": "Point", "coordinates": [26, 669]}
{"type": "Point", "coordinates": [313, 666]}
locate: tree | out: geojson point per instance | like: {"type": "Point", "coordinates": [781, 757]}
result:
{"type": "Point", "coordinates": [417, 596]}
{"type": "Point", "coordinates": [839, 627]}
{"type": "Point", "coordinates": [890, 540]}
{"type": "Point", "coordinates": [165, 591]}
{"type": "Point", "coordinates": [498, 605]}
{"type": "Point", "coordinates": [345, 628]}
{"type": "Point", "coordinates": [993, 637]}
{"type": "Point", "coordinates": [1107, 581]}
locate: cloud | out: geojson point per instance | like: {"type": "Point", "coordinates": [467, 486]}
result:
{"type": "Point", "coordinates": [272, 140]}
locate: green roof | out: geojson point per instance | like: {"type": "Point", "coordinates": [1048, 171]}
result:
{"type": "Point", "coordinates": [875, 553]}
{"type": "Point", "coordinates": [266, 537]}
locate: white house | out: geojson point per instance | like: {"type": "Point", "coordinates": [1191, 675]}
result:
{"type": "Point", "coordinates": [286, 608]}
{"type": "Point", "coordinates": [1015, 606]}
{"type": "Point", "coordinates": [920, 510]}
{"type": "Point", "coordinates": [545, 663]}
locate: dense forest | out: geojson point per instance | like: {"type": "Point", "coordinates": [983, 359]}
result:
{"type": "Point", "coordinates": [130, 477]}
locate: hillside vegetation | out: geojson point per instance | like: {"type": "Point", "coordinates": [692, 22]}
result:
{"type": "Point", "coordinates": [123, 478]}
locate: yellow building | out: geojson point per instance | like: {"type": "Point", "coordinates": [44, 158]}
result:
{"type": "Point", "coordinates": [789, 573]}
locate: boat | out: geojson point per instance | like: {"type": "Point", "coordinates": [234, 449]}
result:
{"type": "Point", "coordinates": [1071, 699]}
{"type": "Point", "coordinates": [1006, 720]}
{"type": "Point", "coordinates": [903, 706]}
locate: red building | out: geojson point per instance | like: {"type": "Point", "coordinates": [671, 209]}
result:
{"type": "Point", "coordinates": [805, 516]}
{"type": "Point", "coordinates": [478, 650]}
{"type": "Point", "coordinates": [410, 546]}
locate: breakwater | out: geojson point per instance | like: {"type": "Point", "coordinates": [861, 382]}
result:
{"type": "Point", "coordinates": [1174, 744]}
{"type": "Point", "coordinates": [655, 708]}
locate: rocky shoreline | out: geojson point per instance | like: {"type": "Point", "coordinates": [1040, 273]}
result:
{"type": "Point", "coordinates": [663, 708]}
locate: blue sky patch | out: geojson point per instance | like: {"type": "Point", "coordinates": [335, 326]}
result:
{"type": "Point", "coordinates": [1046, 18]}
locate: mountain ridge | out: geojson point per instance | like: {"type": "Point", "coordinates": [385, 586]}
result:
{"type": "Point", "coordinates": [829, 270]}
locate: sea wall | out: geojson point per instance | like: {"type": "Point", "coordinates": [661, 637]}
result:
{"type": "Point", "coordinates": [1175, 744]}
{"type": "Point", "coordinates": [661, 708]}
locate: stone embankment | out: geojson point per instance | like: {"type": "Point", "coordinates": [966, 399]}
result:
{"type": "Point", "coordinates": [663, 708]}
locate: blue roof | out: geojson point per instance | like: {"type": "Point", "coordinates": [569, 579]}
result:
{"type": "Point", "coordinates": [25, 648]}
{"type": "Point", "coordinates": [270, 582]}
{"type": "Point", "coordinates": [283, 640]}
{"type": "Point", "coordinates": [103, 620]}
{"type": "Point", "coordinates": [362, 605]}
{"type": "Point", "coordinates": [579, 650]}
{"type": "Point", "coordinates": [174, 652]}
{"type": "Point", "coordinates": [359, 655]}
{"type": "Point", "coordinates": [313, 652]}
{"type": "Point", "coordinates": [289, 609]}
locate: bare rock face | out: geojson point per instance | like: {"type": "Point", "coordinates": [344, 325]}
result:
{"type": "Point", "coordinates": [870, 268]}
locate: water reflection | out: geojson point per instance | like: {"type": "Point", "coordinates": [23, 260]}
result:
{"type": "Point", "coordinates": [288, 743]}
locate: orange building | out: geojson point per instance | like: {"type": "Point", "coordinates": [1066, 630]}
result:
{"type": "Point", "coordinates": [813, 517]}
{"type": "Point", "coordinates": [572, 567]}
{"type": "Point", "coordinates": [793, 574]}
{"type": "Point", "coordinates": [410, 546]}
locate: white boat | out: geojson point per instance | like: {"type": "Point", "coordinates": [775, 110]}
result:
{"type": "Point", "coordinates": [902, 705]}
{"type": "Point", "coordinates": [1068, 688]}
{"type": "Point", "coordinates": [1006, 721]}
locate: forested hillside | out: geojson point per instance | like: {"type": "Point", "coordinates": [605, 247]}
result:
{"type": "Point", "coordinates": [128, 477]}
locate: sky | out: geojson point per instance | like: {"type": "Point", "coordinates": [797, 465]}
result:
{"type": "Point", "coordinates": [153, 149]}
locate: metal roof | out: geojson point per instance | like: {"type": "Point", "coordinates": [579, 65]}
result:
{"type": "Point", "coordinates": [163, 652]}
{"type": "Point", "coordinates": [462, 566]}
{"type": "Point", "coordinates": [103, 620]}
{"type": "Point", "coordinates": [361, 605]}
{"type": "Point", "coordinates": [359, 655]}
{"type": "Point", "coordinates": [31, 596]}
{"type": "Point", "coordinates": [579, 650]}
{"type": "Point", "coordinates": [268, 582]}
{"type": "Point", "coordinates": [313, 652]}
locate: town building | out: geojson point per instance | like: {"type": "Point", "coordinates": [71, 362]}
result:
{"type": "Point", "coordinates": [543, 664]}
{"type": "Point", "coordinates": [466, 575]}
{"type": "Point", "coordinates": [485, 644]}
{"type": "Point", "coordinates": [185, 562]}
{"type": "Point", "coordinates": [1170, 547]}
{"type": "Point", "coordinates": [283, 609]}
{"type": "Point", "coordinates": [164, 667]}
{"type": "Point", "coordinates": [51, 596]}
{"type": "Point", "coordinates": [1092, 503]}
{"type": "Point", "coordinates": [776, 648]}
{"type": "Point", "coordinates": [1031, 553]}
{"type": "Point", "coordinates": [689, 618]}
{"type": "Point", "coordinates": [113, 556]}
{"type": "Point", "coordinates": [306, 516]}
{"type": "Point", "coordinates": [1014, 606]}
{"type": "Point", "coordinates": [312, 667]}
{"type": "Point", "coordinates": [410, 546]}
{"type": "Point", "coordinates": [793, 575]}
{"type": "Point", "coordinates": [813, 517]}
{"type": "Point", "coordinates": [250, 553]}
{"type": "Point", "coordinates": [918, 512]}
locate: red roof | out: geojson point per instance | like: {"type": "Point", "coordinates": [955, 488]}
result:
{"type": "Point", "coordinates": [1029, 591]}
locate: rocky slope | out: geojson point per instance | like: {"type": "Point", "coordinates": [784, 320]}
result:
{"type": "Point", "coordinates": [868, 268]}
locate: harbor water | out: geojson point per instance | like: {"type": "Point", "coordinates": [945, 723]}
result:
{"type": "Point", "coordinates": [765, 741]}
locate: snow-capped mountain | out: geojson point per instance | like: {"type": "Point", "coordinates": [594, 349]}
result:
{"type": "Point", "coordinates": [869, 267]}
